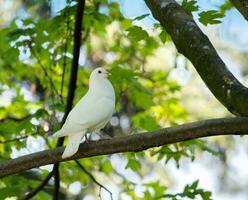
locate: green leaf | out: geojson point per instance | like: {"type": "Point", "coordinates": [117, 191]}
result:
{"type": "Point", "coordinates": [141, 16]}
{"type": "Point", "coordinates": [210, 17]}
{"type": "Point", "coordinates": [145, 122]}
{"type": "Point", "coordinates": [126, 23]}
{"type": "Point", "coordinates": [107, 167]}
{"type": "Point", "coordinates": [190, 6]}
{"type": "Point", "coordinates": [137, 33]}
{"type": "Point", "coordinates": [192, 192]}
{"type": "Point", "coordinates": [114, 11]}
{"type": "Point", "coordinates": [9, 192]}
{"type": "Point", "coordinates": [157, 187]}
{"type": "Point", "coordinates": [40, 113]}
{"type": "Point", "coordinates": [133, 164]}
{"type": "Point", "coordinates": [163, 36]}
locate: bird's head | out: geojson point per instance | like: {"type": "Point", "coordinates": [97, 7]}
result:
{"type": "Point", "coordinates": [99, 84]}
{"type": "Point", "coordinates": [99, 72]}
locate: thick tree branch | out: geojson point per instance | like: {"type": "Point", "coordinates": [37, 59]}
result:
{"type": "Point", "coordinates": [132, 143]}
{"type": "Point", "coordinates": [242, 6]}
{"type": "Point", "coordinates": [192, 43]}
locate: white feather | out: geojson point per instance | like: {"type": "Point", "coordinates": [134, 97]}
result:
{"type": "Point", "coordinates": [91, 113]}
{"type": "Point", "coordinates": [73, 144]}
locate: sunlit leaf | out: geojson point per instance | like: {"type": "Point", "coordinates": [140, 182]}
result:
{"type": "Point", "coordinates": [141, 17]}
{"type": "Point", "coordinates": [210, 17]}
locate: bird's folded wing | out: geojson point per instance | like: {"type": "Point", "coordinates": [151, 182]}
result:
{"type": "Point", "coordinates": [88, 114]}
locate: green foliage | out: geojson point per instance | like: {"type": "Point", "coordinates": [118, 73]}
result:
{"type": "Point", "coordinates": [192, 192]}
{"type": "Point", "coordinates": [133, 164]}
{"type": "Point", "coordinates": [206, 17]}
{"type": "Point", "coordinates": [38, 84]}
{"type": "Point", "coordinates": [190, 6]}
{"type": "Point", "coordinates": [210, 17]}
{"type": "Point", "coordinates": [12, 186]}
{"type": "Point", "coordinates": [145, 121]}
{"type": "Point", "coordinates": [158, 190]}
{"type": "Point", "coordinates": [180, 150]}
{"type": "Point", "coordinates": [137, 33]}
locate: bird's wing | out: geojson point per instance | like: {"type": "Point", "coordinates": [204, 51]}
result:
{"type": "Point", "coordinates": [88, 113]}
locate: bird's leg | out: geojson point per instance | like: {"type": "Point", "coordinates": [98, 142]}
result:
{"type": "Point", "coordinates": [86, 138]}
{"type": "Point", "coordinates": [104, 136]}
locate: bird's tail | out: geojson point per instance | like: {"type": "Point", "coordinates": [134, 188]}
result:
{"type": "Point", "coordinates": [60, 133]}
{"type": "Point", "coordinates": [72, 146]}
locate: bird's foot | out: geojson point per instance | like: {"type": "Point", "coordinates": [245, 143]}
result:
{"type": "Point", "coordinates": [104, 136]}
{"type": "Point", "coordinates": [87, 140]}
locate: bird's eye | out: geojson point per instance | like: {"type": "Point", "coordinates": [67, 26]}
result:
{"type": "Point", "coordinates": [99, 71]}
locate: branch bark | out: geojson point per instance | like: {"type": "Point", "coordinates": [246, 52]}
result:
{"type": "Point", "coordinates": [193, 44]}
{"type": "Point", "coordinates": [76, 52]}
{"type": "Point", "coordinates": [242, 6]}
{"type": "Point", "coordinates": [132, 143]}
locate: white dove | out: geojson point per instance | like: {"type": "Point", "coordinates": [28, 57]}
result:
{"type": "Point", "coordinates": [91, 113]}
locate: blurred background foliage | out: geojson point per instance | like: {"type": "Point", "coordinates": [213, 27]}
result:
{"type": "Point", "coordinates": [155, 87]}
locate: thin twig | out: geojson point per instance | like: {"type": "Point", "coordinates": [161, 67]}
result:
{"type": "Point", "coordinates": [65, 51]}
{"type": "Point", "coordinates": [14, 119]}
{"type": "Point", "coordinates": [18, 138]}
{"type": "Point", "coordinates": [94, 180]}
{"type": "Point", "coordinates": [44, 70]}
{"type": "Point", "coordinates": [51, 78]}
{"type": "Point", "coordinates": [39, 188]}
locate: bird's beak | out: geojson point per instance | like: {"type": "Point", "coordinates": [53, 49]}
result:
{"type": "Point", "coordinates": [108, 73]}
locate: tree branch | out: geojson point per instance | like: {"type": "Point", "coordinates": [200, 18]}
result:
{"type": "Point", "coordinates": [19, 138]}
{"type": "Point", "coordinates": [67, 16]}
{"type": "Point", "coordinates": [76, 52]}
{"type": "Point", "coordinates": [242, 6]}
{"type": "Point", "coordinates": [40, 187]}
{"type": "Point", "coordinates": [193, 44]}
{"type": "Point", "coordinates": [56, 181]}
{"type": "Point", "coordinates": [131, 143]}
{"type": "Point", "coordinates": [14, 119]}
{"type": "Point", "coordinates": [44, 70]}
{"type": "Point", "coordinates": [72, 84]}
